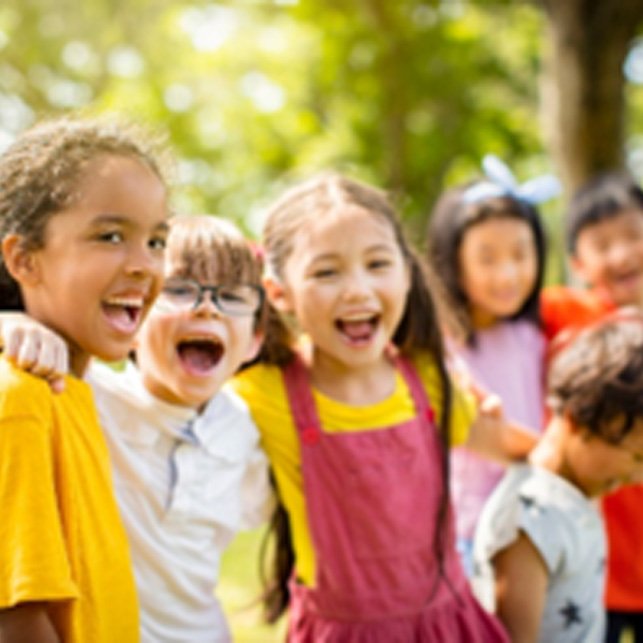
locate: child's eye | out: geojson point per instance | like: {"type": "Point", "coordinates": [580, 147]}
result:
{"type": "Point", "coordinates": [324, 273]}
{"type": "Point", "coordinates": [158, 243]}
{"type": "Point", "coordinates": [180, 291]}
{"type": "Point", "coordinates": [377, 264]}
{"type": "Point", "coordinates": [231, 296]}
{"type": "Point", "coordinates": [111, 236]}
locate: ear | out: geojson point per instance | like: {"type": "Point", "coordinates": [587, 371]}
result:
{"type": "Point", "coordinates": [277, 295]}
{"type": "Point", "coordinates": [255, 345]}
{"type": "Point", "coordinates": [573, 428]}
{"type": "Point", "coordinates": [21, 262]}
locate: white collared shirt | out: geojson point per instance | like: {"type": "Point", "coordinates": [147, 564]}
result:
{"type": "Point", "coordinates": [185, 483]}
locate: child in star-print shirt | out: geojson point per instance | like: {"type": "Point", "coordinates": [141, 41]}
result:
{"type": "Point", "coordinates": [539, 554]}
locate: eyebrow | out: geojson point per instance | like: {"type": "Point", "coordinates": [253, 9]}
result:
{"type": "Point", "coordinates": [119, 219]}
{"type": "Point", "coordinates": [380, 247]}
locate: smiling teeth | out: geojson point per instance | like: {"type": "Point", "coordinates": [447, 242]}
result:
{"type": "Point", "coordinates": [202, 338]}
{"type": "Point", "coordinates": [358, 317]}
{"type": "Point", "coordinates": [125, 302]}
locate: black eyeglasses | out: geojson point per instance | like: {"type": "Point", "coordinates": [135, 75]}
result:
{"type": "Point", "coordinates": [230, 299]}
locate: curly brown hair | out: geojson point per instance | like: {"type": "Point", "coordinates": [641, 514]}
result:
{"type": "Point", "coordinates": [41, 170]}
{"type": "Point", "coordinates": [596, 377]}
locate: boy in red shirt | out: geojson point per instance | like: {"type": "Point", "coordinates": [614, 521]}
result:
{"type": "Point", "coordinates": [605, 243]}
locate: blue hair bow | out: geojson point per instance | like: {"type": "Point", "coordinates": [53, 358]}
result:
{"type": "Point", "coordinates": [501, 182]}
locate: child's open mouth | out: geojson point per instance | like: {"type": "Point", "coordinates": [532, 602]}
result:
{"type": "Point", "coordinates": [199, 356]}
{"type": "Point", "coordinates": [358, 329]}
{"type": "Point", "coordinates": [124, 315]}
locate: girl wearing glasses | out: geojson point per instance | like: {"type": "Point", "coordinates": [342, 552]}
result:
{"type": "Point", "coordinates": [186, 462]}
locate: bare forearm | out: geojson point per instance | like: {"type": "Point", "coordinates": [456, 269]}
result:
{"type": "Point", "coordinates": [27, 623]}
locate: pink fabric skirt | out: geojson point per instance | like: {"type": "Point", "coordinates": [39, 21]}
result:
{"type": "Point", "coordinates": [460, 620]}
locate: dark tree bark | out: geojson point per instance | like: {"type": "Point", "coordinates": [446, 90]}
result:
{"type": "Point", "coordinates": [583, 103]}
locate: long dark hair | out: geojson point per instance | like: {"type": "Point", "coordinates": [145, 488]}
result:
{"type": "Point", "coordinates": [418, 333]}
{"type": "Point", "coordinates": [450, 219]}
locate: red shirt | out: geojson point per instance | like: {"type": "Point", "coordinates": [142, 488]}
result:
{"type": "Point", "coordinates": [562, 307]}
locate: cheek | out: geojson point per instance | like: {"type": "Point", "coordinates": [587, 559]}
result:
{"type": "Point", "coordinates": [473, 276]}
{"type": "Point", "coordinates": [530, 271]}
{"type": "Point", "coordinates": [156, 335]}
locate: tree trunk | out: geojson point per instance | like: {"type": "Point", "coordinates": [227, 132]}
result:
{"type": "Point", "coordinates": [583, 104]}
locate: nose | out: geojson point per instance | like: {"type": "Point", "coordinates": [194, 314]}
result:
{"type": "Point", "coordinates": [144, 261]}
{"type": "Point", "coordinates": [356, 285]}
{"type": "Point", "coordinates": [507, 272]}
{"type": "Point", "coordinates": [205, 306]}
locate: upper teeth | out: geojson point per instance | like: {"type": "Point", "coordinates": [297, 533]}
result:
{"type": "Point", "coordinates": [126, 301]}
{"type": "Point", "coordinates": [200, 338]}
{"type": "Point", "coordinates": [358, 317]}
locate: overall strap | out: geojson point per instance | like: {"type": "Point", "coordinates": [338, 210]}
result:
{"type": "Point", "coordinates": [301, 401]}
{"type": "Point", "coordinates": [416, 388]}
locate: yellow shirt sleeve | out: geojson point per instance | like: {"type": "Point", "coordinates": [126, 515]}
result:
{"type": "Point", "coordinates": [33, 558]}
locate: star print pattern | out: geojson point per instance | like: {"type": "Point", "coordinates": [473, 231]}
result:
{"type": "Point", "coordinates": [566, 528]}
{"type": "Point", "coordinates": [570, 613]}
{"type": "Point", "coordinates": [530, 503]}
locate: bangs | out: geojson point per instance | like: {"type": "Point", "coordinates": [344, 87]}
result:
{"type": "Point", "coordinates": [211, 255]}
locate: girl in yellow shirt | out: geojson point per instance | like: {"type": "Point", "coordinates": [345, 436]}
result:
{"type": "Point", "coordinates": [83, 211]}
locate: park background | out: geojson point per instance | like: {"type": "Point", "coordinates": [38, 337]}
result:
{"type": "Point", "coordinates": [253, 95]}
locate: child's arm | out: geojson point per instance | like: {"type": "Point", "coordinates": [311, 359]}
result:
{"type": "Point", "coordinates": [27, 622]}
{"type": "Point", "coordinates": [493, 436]}
{"type": "Point", "coordinates": [34, 348]}
{"type": "Point", "coordinates": [520, 586]}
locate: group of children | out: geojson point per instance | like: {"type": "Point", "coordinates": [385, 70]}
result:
{"type": "Point", "coordinates": [318, 381]}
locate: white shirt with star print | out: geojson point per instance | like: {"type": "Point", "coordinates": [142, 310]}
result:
{"type": "Point", "coordinates": [567, 530]}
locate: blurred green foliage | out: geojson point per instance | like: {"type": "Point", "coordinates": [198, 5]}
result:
{"type": "Point", "coordinates": [254, 94]}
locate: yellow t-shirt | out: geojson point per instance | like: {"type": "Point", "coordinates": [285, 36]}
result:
{"type": "Point", "coordinates": [263, 389]}
{"type": "Point", "coordinates": [61, 538]}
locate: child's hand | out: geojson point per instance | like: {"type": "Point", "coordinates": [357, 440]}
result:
{"type": "Point", "coordinates": [489, 404]}
{"type": "Point", "coordinates": [34, 348]}
{"type": "Point", "coordinates": [493, 436]}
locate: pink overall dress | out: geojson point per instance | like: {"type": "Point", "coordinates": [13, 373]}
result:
{"type": "Point", "coordinates": [372, 498]}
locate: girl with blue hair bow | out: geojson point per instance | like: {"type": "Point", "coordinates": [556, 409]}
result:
{"type": "Point", "coordinates": [487, 246]}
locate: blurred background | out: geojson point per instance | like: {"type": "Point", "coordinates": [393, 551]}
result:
{"type": "Point", "coordinates": [409, 94]}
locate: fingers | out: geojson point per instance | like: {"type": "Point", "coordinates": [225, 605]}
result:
{"type": "Point", "coordinates": [38, 351]}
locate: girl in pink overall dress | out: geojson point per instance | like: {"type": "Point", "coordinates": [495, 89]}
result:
{"type": "Point", "coordinates": [367, 507]}
{"type": "Point", "coordinates": [372, 499]}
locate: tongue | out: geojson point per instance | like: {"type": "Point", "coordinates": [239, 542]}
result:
{"type": "Point", "coordinates": [120, 318]}
{"type": "Point", "coordinates": [357, 329]}
{"type": "Point", "coordinates": [197, 358]}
